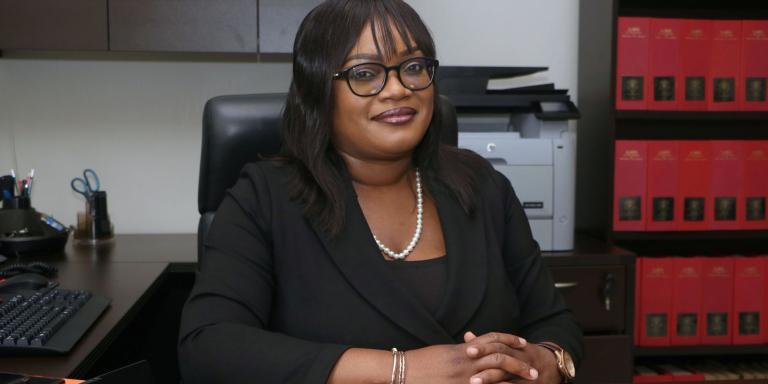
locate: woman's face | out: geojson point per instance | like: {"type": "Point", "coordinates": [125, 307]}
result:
{"type": "Point", "coordinates": [388, 125]}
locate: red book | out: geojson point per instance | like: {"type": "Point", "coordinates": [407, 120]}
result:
{"type": "Point", "coordinates": [754, 65]}
{"type": "Point", "coordinates": [724, 71]}
{"type": "Point", "coordinates": [693, 194]}
{"type": "Point", "coordinates": [662, 86]}
{"type": "Point", "coordinates": [632, 62]}
{"type": "Point", "coordinates": [717, 291]}
{"type": "Point", "coordinates": [748, 300]}
{"type": "Point", "coordinates": [765, 302]}
{"type": "Point", "coordinates": [638, 289]}
{"type": "Point", "coordinates": [656, 301]}
{"type": "Point", "coordinates": [686, 301]}
{"type": "Point", "coordinates": [662, 179]}
{"type": "Point", "coordinates": [695, 54]}
{"type": "Point", "coordinates": [755, 184]}
{"type": "Point", "coordinates": [629, 185]}
{"type": "Point", "coordinates": [727, 164]}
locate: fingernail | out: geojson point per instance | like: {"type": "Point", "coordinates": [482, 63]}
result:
{"type": "Point", "coordinates": [471, 333]}
{"type": "Point", "coordinates": [476, 380]}
{"type": "Point", "coordinates": [473, 351]}
{"type": "Point", "coordinates": [534, 374]}
{"type": "Point", "coordinates": [522, 341]}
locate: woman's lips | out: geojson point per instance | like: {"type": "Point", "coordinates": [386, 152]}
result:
{"type": "Point", "coordinates": [396, 116]}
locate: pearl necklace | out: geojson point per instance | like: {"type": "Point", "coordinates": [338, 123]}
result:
{"type": "Point", "coordinates": [415, 239]}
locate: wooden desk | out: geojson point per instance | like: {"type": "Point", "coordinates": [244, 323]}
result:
{"type": "Point", "coordinates": [128, 271]}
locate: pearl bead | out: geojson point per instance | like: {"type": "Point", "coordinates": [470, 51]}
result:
{"type": "Point", "coordinates": [417, 233]}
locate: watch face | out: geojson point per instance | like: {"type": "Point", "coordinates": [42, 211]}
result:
{"type": "Point", "coordinates": [569, 367]}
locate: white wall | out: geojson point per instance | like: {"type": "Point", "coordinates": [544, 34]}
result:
{"type": "Point", "coordinates": [135, 119]}
{"type": "Point", "coordinates": [507, 32]}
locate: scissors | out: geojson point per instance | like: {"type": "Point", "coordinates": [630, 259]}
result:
{"type": "Point", "coordinates": [86, 185]}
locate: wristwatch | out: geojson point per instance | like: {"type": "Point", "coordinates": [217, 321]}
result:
{"type": "Point", "coordinates": [564, 362]}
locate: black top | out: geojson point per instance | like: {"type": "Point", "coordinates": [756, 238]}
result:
{"type": "Point", "coordinates": [277, 300]}
{"type": "Point", "coordinates": [424, 279]}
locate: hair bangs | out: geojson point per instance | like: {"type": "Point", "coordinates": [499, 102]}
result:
{"type": "Point", "coordinates": [390, 22]}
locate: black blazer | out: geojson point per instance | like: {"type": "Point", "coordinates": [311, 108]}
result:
{"type": "Point", "coordinates": [277, 301]}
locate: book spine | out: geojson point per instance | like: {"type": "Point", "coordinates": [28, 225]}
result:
{"type": "Point", "coordinates": [726, 54]}
{"type": "Point", "coordinates": [663, 64]}
{"type": "Point", "coordinates": [694, 198]}
{"type": "Point", "coordinates": [754, 66]}
{"type": "Point", "coordinates": [748, 300]}
{"type": "Point", "coordinates": [717, 288]}
{"type": "Point", "coordinates": [727, 164]}
{"type": "Point", "coordinates": [755, 185]}
{"type": "Point", "coordinates": [695, 55]}
{"type": "Point", "coordinates": [686, 301]}
{"type": "Point", "coordinates": [656, 301]}
{"type": "Point", "coordinates": [662, 181]}
{"type": "Point", "coordinates": [629, 185]}
{"type": "Point", "coordinates": [632, 62]}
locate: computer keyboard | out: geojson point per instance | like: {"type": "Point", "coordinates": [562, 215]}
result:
{"type": "Point", "coordinates": [47, 321]}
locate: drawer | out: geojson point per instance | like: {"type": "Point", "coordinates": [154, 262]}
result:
{"type": "Point", "coordinates": [585, 290]}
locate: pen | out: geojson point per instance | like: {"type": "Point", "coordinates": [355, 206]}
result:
{"type": "Point", "coordinates": [29, 182]}
{"type": "Point", "coordinates": [15, 185]}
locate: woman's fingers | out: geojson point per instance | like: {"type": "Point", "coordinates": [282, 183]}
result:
{"type": "Point", "coordinates": [508, 364]}
{"type": "Point", "coordinates": [480, 350]}
{"type": "Point", "coordinates": [469, 336]}
{"type": "Point", "coordinates": [488, 376]}
{"type": "Point", "coordinates": [498, 337]}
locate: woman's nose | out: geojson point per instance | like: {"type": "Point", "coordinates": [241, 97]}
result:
{"type": "Point", "coordinates": [394, 87]}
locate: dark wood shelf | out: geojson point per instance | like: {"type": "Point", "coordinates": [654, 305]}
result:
{"type": "Point", "coordinates": [693, 243]}
{"type": "Point", "coordinates": [691, 115]}
{"type": "Point", "coordinates": [701, 350]}
{"type": "Point", "coordinates": [692, 235]}
{"type": "Point", "coordinates": [709, 9]}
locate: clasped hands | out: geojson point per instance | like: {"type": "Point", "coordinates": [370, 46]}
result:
{"type": "Point", "coordinates": [492, 358]}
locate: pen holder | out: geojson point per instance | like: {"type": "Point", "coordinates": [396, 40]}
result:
{"type": "Point", "coordinates": [93, 225]}
{"type": "Point", "coordinates": [24, 230]}
{"type": "Point", "coordinates": [17, 202]}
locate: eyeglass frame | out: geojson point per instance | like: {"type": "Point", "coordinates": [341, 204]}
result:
{"type": "Point", "coordinates": [344, 74]}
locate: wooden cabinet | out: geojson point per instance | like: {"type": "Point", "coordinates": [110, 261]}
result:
{"type": "Point", "coordinates": [595, 280]}
{"type": "Point", "coordinates": [183, 25]}
{"type": "Point", "coordinates": [278, 22]}
{"type": "Point", "coordinates": [236, 26]}
{"type": "Point", "coordinates": [53, 24]}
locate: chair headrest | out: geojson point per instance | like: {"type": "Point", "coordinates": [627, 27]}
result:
{"type": "Point", "coordinates": [239, 129]}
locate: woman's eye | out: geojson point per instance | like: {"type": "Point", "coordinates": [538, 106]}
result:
{"type": "Point", "coordinates": [363, 74]}
{"type": "Point", "coordinates": [414, 67]}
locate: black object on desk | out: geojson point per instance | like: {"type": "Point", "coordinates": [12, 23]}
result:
{"type": "Point", "coordinates": [24, 230]}
{"type": "Point", "coordinates": [44, 321]}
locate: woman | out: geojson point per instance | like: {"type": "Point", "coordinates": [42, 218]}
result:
{"type": "Point", "coordinates": [369, 235]}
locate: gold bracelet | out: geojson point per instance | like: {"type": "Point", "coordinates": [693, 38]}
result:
{"type": "Point", "coordinates": [394, 365]}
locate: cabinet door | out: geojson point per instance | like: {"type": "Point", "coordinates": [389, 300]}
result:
{"type": "Point", "coordinates": [53, 24]}
{"type": "Point", "coordinates": [585, 290]}
{"type": "Point", "coordinates": [183, 25]}
{"type": "Point", "coordinates": [278, 22]}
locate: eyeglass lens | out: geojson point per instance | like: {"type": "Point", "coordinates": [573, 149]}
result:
{"type": "Point", "coordinates": [369, 79]}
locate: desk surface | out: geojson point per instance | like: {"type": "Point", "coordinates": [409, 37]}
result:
{"type": "Point", "coordinates": [128, 271]}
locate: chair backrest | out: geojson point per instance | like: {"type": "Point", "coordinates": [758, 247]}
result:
{"type": "Point", "coordinates": [239, 129]}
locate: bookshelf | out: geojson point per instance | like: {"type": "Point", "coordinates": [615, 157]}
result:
{"type": "Point", "coordinates": [651, 124]}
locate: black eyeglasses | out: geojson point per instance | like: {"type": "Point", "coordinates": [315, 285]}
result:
{"type": "Point", "coordinates": [368, 79]}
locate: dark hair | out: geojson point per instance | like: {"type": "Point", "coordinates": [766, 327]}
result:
{"type": "Point", "coordinates": [323, 41]}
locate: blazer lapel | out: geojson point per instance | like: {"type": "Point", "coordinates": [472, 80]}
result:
{"type": "Point", "coordinates": [465, 244]}
{"type": "Point", "coordinates": [357, 256]}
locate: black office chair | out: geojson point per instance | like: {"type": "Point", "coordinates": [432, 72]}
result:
{"type": "Point", "coordinates": [238, 129]}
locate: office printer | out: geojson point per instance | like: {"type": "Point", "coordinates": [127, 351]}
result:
{"type": "Point", "coordinates": [524, 132]}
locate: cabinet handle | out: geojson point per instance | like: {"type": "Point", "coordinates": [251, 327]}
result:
{"type": "Point", "coordinates": [566, 285]}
